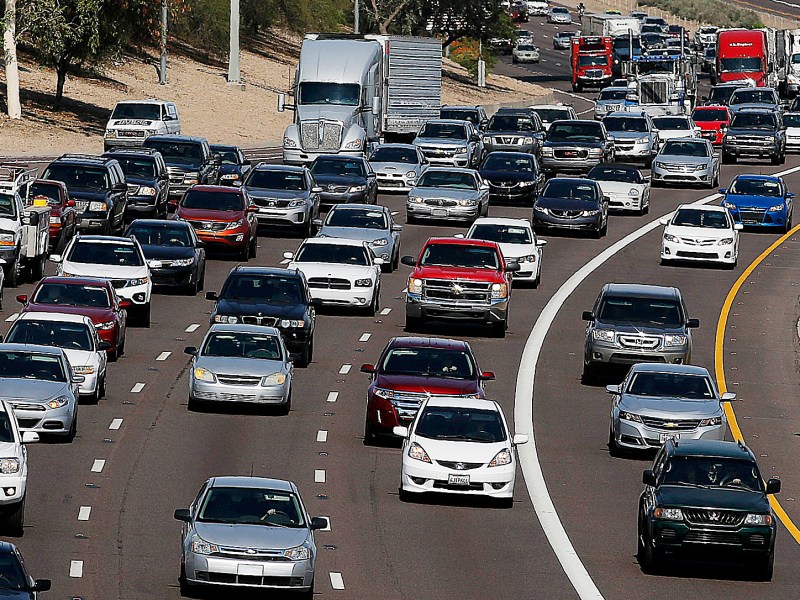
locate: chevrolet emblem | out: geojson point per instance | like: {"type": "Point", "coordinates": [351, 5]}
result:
{"type": "Point", "coordinates": [671, 425]}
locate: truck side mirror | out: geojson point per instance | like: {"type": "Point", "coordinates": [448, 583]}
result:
{"type": "Point", "coordinates": [281, 102]}
{"type": "Point", "coordinates": [376, 105]}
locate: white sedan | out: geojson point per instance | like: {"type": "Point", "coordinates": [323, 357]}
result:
{"type": "Point", "coordinates": [701, 233]}
{"type": "Point", "coordinates": [14, 471]}
{"type": "Point", "coordinates": [459, 446]}
{"type": "Point", "coordinates": [678, 126]}
{"type": "Point", "coordinates": [339, 272]}
{"type": "Point", "coordinates": [518, 244]}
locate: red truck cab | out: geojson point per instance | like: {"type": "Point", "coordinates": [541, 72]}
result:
{"type": "Point", "coordinates": [743, 54]}
{"type": "Point", "coordinates": [457, 279]}
{"type": "Point", "coordinates": [591, 62]}
{"type": "Point", "coordinates": [713, 121]}
{"type": "Point", "coordinates": [63, 215]}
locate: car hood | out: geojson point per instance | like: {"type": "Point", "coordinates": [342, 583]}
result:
{"type": "Point", "coordinates": [421, 383]}
{"type": "Point", "coordinates": [619, 187]}
{"type": "Point", "coordinates": [431, 192]}
{"type": "Point", "coordinates": [464, 451]}
{"type": "Point", "coordinates": [167, 252]}
{"type": "Point", "coordinates": [646, 328]}
{"type": "Point", "coordinates": [628, 135]}
{"type": "Point", "coordinates": [183, 166]}
{"type": "Point", "coordinates": [508, 132]}
{"type": "Point", "coordinates": [725, 499]}
{"type": "Point", "coordinates": [685, 160]}
{"type": "Point", "coordinates": [323, 180]}
{"type": "Point", "coordinates": [277, 194]}
{"type": "Point", "coordinates": [382, 167]}
{"type": "Point", "coordinates": [10, 449]}
{"type": "Point", "coordinates": [459, 273]}
{"type": "Point", "coordinates": [312, 269]}
{"type": "Point", "coordinates": [516, 250]}
{"type": "Point", "coordinates": [258, 537]}
{"type": "Point", "coordinates": [31, 389]}
{"type": "Point", "coordinates": [104, 271]}
{"type": "Point", "coordinates": [734, 131]}
{"type": "Point", "coordinates": [86, 195]}
{"type": "Point", "coordinates": [553, 144]}
{"type": "Point", "coordinates": [710, 125]}
{"type": "Point", "coordinates": [512, 176]}
{"type": "Point", "coordinates": [425, 141]}
{"type": "Point", "coordinates": [198, 214]}
{"type": "Point", "coordinates": [565, 203]}
{"type": "Point", "coordinates": [670, 408]}
{"type": "Point", "coordinates": [257, 307]}
{"type": "Point", "coordinates": [699, 232]}
{"type": "Point", "coordinates": [669, 134]}
{"type": "Point", "coordinates": [353, 233]}
{"type": "Point", "coordinates": [150, 181]}
{"type": "Point", "coordinates": [754, 201]}
{"type": "Point", "coordinates": [239, 366]}
{"type": "Point", "coordinates": [97, 315]}
{"type": "Point", "coordinates": [80, 358]}
{"type": "Point", "coordinates": [227, 169]}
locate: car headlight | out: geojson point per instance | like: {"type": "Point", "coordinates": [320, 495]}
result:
{"type": "Point", "coordinates": [367, 282]}
{"type": "Point", "coordinates": [289, 142]}
{"type": "Point", "coordinates": [182, 262]}
{"type": "Point", "coordinates": [501, 458]}
{"type": "Point", "coordinates": [702, 167]}
{"type": "Point", "coordinates": [775, 208]}
{"type": "Point", "coordinates": [547, 152]}
{"type": "Point", "coordinates": [712, 422]}
{"type": "Point", "coordinates": [97, 206]}
{"type": "Point", "coordinates": [643, 140]}
{"type": "Point", "coordinates": [298, 553]}
{"type": "Point", "coordinates": [384, 393]}
{"type": "Point", "coordinates": [139, 281]}
{"type": "Point", "coordinates": [235, 224]}
{"type": "Point", "coordinates": [671, 238]}
{"type": "Point", "coordinates": [191, 178]}
{"type": "Point", "coordinates": [527, 259]}
{"type": "Point", "coordinates": [540, 209]}
{"type": "Point", "coordinates": [590, 213]}
{"type": "Point", "coordinates": [669, 514]}
{"type": "Point", "coordinates": [467, 202]}
{"type": "Point", "coordinates": [527, 140]}
{"type": "Point", "coordinates": [200, 546]}
{"type": "Point", "coordinates": [411, 174]}
{"type": "Point", "coordinates": [603, 335]}
{"type": "Point", "coordinates": [417, 452]}
{"type": "Point", "coordinates": [146, 190]}
{"type": "Point", "coordinates": [658, 164]}
{"type": "Point", "coordinates": [756, 519]}
{"type": "Point", "coordinates": [354, 144]}
{"type": "Point", "coordinates": [675, 340]}
{"type": "Point", "coordinates": [380, 242]}
{"type": "Point", "coordinates": [725, 242]}
{"type": "Point", "coordinates": [58, 401]}
{"type": "Point", "coordinates": [414, 285]}
{"type": "Point", "coordinates": [526, 183]}
{"type": "Point", "coordinates": [204, 375]}
{"type": "Point", "coordinates": [85, 370]}
{"type": "Point", "coordinates": [287, 323]}
{"type": "Point", "coordinates": [297, 202]}
{"type": "Point", "coordinates": [111, 133]}
{"type": "Point", "coordinates": [274, 379]}
{"type": "Point", "coordinates": [414, 200]}
{"type": "Point", "coordinates": [461, 150]}
{"type": "Point", "coordinates": [729, 205]}
{"type": "Point", "coordinates": [595, 152]}
{"type": "Point", "coordinates": [105, 326]}
{"type": "Point", "coordinates": [9, 465]}
{"type": "Point", "coordinates": [633, 192]}
{"type": "Point", "coordinates": [225, 319]}
{"type": "Point", "coordinates": [730, 138]}
{"type": "Point", "coordinates": [628, 416]}
{"type": "Point", "coordinates": [357, 188]}
{"type": "Point", "coordinates": [499, 290]}
{"type": "Point", "coordinates": [230, 176]}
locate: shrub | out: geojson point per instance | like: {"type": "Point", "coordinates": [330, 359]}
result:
{"type": "Point", "coordinates": [466, 52]}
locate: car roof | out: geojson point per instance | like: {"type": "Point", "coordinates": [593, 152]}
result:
{"type": "Point", "coordinates": [455, 402]}
{"type": "Point", "coordinates": [175, 137]}
{"type": "Point", "coordinates": [703, 207]}
{"type": "Point", "coordinates": [669, 368]}
{"type": "Point", "coordinates": [404, 146]}
{"type": "Point", "coordinates": [640, 290]}
{"type": "Point", "coordinates": [76, 281]}
{"type": "Point", "coordinates": [714, 448]}
{"type": "Point", "coordinates": [160, 223]}
{"type": "Point", "coordinates": [450, 170]}
{"type": "Point", "coordinates": [758, 177]}
{"type": "Point", "coordinates": [265, 271]}
{"type": "Point", "coordinates": [461, 242]}
{"type": "Point", "coordinates": [252, 482]}
{"type": "Point", "coordinates": [105, 239]}
{"type": "Point", "coordinates": [264, 166]}
{"type": "Point", "coordinates": [427, 342]}
{"type": "Point", "coordinates": [315, 241]}
{"type": "Point", "coordinates": [51, 350]}
{"type": "Point", "coordinates": [53, 316]}
{"type": "Point", "coordinates": [217, 188]}
{"type": "Point", "coordinates": [447, 121]}
{"type": "Point", "coordinates": [510, 154]}
{"type": "Point", "coordinates": [242, 328]}
{"type": "Point", "coordinates": [372, 207]}
{"type": "Point", "coordinates": [502, 221]}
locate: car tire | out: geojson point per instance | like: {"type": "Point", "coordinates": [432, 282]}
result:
{"type": "Point", "coordinates": [775, 160]}
{"type": "Point", "coordinates": [252, 250]}
{"type": "Point", "coordinates": [15, 520]}
{"type": "Point", "coordinates": [765, 567]}
{"type": "Point", "coordinates": [613, 450]}
{"type": "Point", "coordinates": [144, 315]}
{"type": "Point", "coordinates": [648, 163]}
{"type": "Point", "coordinates": [588, 376]}
{"type": "Point", "coordinates": [244, 254]}
{"type": "Point", "coordinates": [375, 305]}
{"type": "Point", "coordinates": [194, 405]}
{"type": "Point", "coordinates": [499, 329]}
{"type": "Point", "coordinates": [649, 558]}
{"type": "Point", "coordinates": [99, 392]}
{"type": "Point", "coordinates": [73, 431]}
{"type": "Point", "coordinates": [286, 407]}
{"type": "Point", "coordinates": [413, 324]}
{"type": "Point", "coordinates": [13, 275]}
{"type": "Point", "coordinates": [728, 159]}
{"type": "Point", "coordinates": [369, 434]}
{"type": "Point", "coordinates": [187, 590]}
{"type": "Point", "coordinates": [308, 355]}
{"type": "Point", "coordinates": [309, 593]}
{"type": "Point", "coordinates": [405, 496]}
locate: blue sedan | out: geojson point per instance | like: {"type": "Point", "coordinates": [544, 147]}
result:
{"type": "Point", "coordinates": [759, 201]}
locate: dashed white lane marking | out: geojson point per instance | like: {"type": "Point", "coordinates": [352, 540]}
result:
{"type": "Point", "coordinates": [328, 526]}
{"type": "Point", "coordinates": [115, 424]}
{"type": "Point", "coordinates": [386, 311]}
{"type": "Point", "coordinates": [137, 388]}
{"type": "Point", "coordinates": [76, 568]}
{"type": "Point", "coordinates": [333, 396]}
{"type": "Point", "coordinates": [322, 436]}
{"type": "Point", "coordinates": [192, 328]}
{"type": "Point", "coordinates": [365, 337]}
{"type": "Point", "coordinates": [84, 513]}
{"type": "Point", "coordinates": [345, 369]}
{"type": "Point", "coordinates": [98, 465]}
{"type": "Point", "coordinates": [163, 356]}
{"type": "Point", "coordinates": [319, 476]}
{"type": "Point", "coordinates": [13, 317]}
{"type": "Point", "coordinates": [337, 582]}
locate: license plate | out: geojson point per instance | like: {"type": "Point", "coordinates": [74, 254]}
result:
{"type": "Point", "coordinates": [613, 107]}
{"type": "Point", "coordinates": [458, 479]}
{"type": "Point", "coordinates": [439, 212]}
{"type": "Point", "coordinates": [663, 437]}
{"type": "Point", "coordinates": [252, 570]}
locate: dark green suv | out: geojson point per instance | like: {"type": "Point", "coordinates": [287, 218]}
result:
{"type": "Point", "coordinates": [706, 499]}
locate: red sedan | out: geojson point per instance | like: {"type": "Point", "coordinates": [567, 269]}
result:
{"type": "Point", "coordinates": [712, 121]}
{"type": "Point", "coordinates": [223, 218]}
{"type": "Point", "coordinates": [63, 217]}
{"type": "Point", "coordinates": [94, 298]}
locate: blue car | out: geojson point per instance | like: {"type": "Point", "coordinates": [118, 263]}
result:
{"type": "Point", "coordinates": [759, 201]}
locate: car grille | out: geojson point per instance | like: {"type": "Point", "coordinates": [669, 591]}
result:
{"type": "Point", "coordinates": [323, 135]}
{"type": "Point", "coordinates": [570, 153]}
{"type": "Point", "coordinates": [395, 180]}
{"type": "Point", "coordinates": [687, 254]}
{"type": "Point", "coordinates": [258, 320]}
{"type": "Point", "coordinates": [751, 215]}
{"type": "Point", "coordinates": [225, 397]}
{"type": "Point", "coordinates": [440, 202]}
{"type": "Point", "coordinates": [254, 580]}
{"type": "Point", "coordinates": [175, 175]}
{"type": "Point", "coordinates": [639, 341]}
{"type": "Point", "coordinates": [437, 152]}
{"type": "Point", "coordinates": [754, 140]}
{"type": "Point", "coordinates": [671, 424]}
{"type": "Point", "coordinates": [119, 283]}
{"type": "Point", "coordinates": [130, 133]}
{"type": "Point", "coordinates": [723, 518]}
{"type": "Point", "coordinates": [698, 241]}
{"type": "Point", "coordinates": [209, 225]}
{"type": "Point", "coordinates": [504, 185]}
{"type": "Point", "coordinates": [27, 406]}
{"type": "Point", "coordinates": [28, 423]}
{"type": "Point", "coordinates": [508, 140]}
{"type": "Point", "coordinates": [81, 205]}
{"type": "Point", "coordinates": [709, 134]}
{"type": "Point", "coordinates": [566, 214]}
{"type": "Point", "coordinates": [470, 292]}
{"type": "Point", "coordinates": [678, 167]}
{"type": "Point", "coordinates": [624, 144]}
{"type": "Point", "coordinates": [270, 202]}
{"type": "Point", "coordinates": [459, 466]}
{"type": "Point", "coordinates": [653, 92]}
{"type": "Point", "coordinates": [443, 485]}
{"type": "Point", "coordinates": [329, 283]}
{"type": "Point", "coordinates": [594, 74]}
{"type": "Point", "coordinates": [724, 538]}
{"type": "Point", "coordinates": [239, 379]}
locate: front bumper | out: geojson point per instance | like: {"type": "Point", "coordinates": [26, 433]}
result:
{"type": "Point", "coordinates": [495, 147]}
{"type": "Point", "coordinates": [512, 193]}
{"type": "Point", "coordinates": [423, 211]}
{"type": "Point", "coordinates": [45, 420]}
{"type": "Point", "coordinates": [756, 151]}
{"type": "Point", "coordinates": [417, 307]}
{"type": "Point", "coordinates": [569, 165]}
{"type": "Point", "coordinates": [625, 202]}
{"type": "Point", "coordinates": [109, 143]}
{"type": "Point", "coordinates": [679, 537]}
{"type": "Point", "coordinates": [594, 82]}
{"type": "Point", "coordinates": [343, 197]}
{"type": "Point", "coordinates": [172, 276]}
{"type": "Point", "coordinates": [138, 294]}
{"type": "Point", "coordinates": [295, 156]}
{"type": "Point", "coordinates": [89, 384]}
{"type": "Point", "coordinates": [220, 571]}
{"type": "Point", "coordinates": [759, 217]}
{"type": "Point", "coordinates": [355, 297]}
{"type": "Point", "coordinates": [793, 144]}
{"type": "Point", "coordinates": [92, 221]}
{"type": "Point", "coordinates": [252, 394]}
{"type": "Point", "coordinates": [142, 205]}
{"type": "Point", "coordinates": [395, 182]}
{"type": "Point", "coordinates": [677, 174]}
{"type": "Point", "coordinates": [420, 477]}
{"type": "Point", "coordinates": [236, 239]}
{"type": "Point", "coordinates": [604, 353]}
{"type": "Point", "coordinates": [12, 487]}
{"type": "Point", "coordinates": [289, 217]}
{"type": "Point", "coordinates": [447, 159]}
{"type": "Point", "coordinates": [638, 436]}
{"type": "Point", "coordinates": [549, 221]}
{"type": "Point", "coordinates": [634, 152]}
{"type": "Point", "coordinates": [714, 136]}
{"type": "Point", "coordinates": [714, 253]}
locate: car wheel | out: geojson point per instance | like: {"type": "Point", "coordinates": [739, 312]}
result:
{"type": "Point", "coordinates": [308, 354]}
{"type": "Point", "coordinates": [253, 248]}
{"type": "Point", "coordinates": [775, 160]}
{"type": "Point", "coordinates": [369, 434]}
{"type": "Point", "coordinates": [13, 274]}
{"type": "Point", "coordinates": [410, 219]}
{"type": "Point", "coordinates": [613, 449]}
{"type": "Point", "coordinates": [287, 406]}
{"type": "Point", "coordinates": [375, 305]}
{"type": "Point", "coordinates": [309, 593]}
{"type": "Point", "coordinates": [499, 329]}
{"type": "Point", "coordinates": [193, 404]}
{"type": "Point", "coordinates": [404, 495]}
{"type": "Point", "coordinates": [413, 324]}
{"type": "Point", "coordinates": [588, 376]}
{"type": "Point", "coordinates": [764, 568]}
{"type": "Point", "coordinates": [15, 520]}
{"type": "Point", "coordinates": [144, 316]}
{"type": "Point", "coordinates": [648, 163]}
{"type": "Point", "coordinates": [73, 430]}
{"type": "Point", "coordinates": [186, 589]}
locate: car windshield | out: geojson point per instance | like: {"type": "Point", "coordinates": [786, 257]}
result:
{"type": "Point", "coordinates": [226, 201]}
{"type": "Point", "coordinates": [357, 217]}
{"type": "Point", "coordinates": [241, 344]}
{"type": "Point", "coordinates": [341, 94]}
{"type": "Point", "coordinates": [342, 168]}
{"type": "Point", "coordinates": [752, 96]}
{"type": "Point", "coordinates": [613, 95]}
{"type": "Point", "coordinates": [683, 148]}
{"type": "Point", "coordinates": [6, 435]}
{"type": "Point", "coordinates": [31, 365]}
{"type": "Point", "coordinates": [620, 174]}
{"type": "Point", "coordinates": [274, 289]}
{"type": "Point", "coordinates": [72, 295]}
{"type": "Point", "coordinates": [575, 132]}
{"type": "Point", "coordinates": [462, 424]}
{"type": "Point", "coordinates": [290, 181]}
{"type": "Point", "coordinates": [671, 385]}
{"type": "Point", "coordinates": [791, 120]}
{"type": "Point", "coordinates": [137, 167]}
{"type": "Point", "coordinates": [672, 123]}
{"type": "Point", "coordinates": [78, 177]}
{"type": "Point", "coordinates": [447, 131]}
{"type": "Point", "coordinates": [510, 123]}
{"type": "Point", "coordinates": [756, 187]}
{"type": "Point", "coordinates": [548, 115]}
{"type": "Point", "coordinates": [625, 124]}
{"type": "Point", "coordinates": [502, 234]}
{"type": "Point", "coordinates": [333, 253]}
{"type": "Point", "coordinates": [388, 154]}
{"type": "Point", "coordinates": [592, 60]}
{"type": "Point", "coordinates": [11, 575]}
{"type": "Point", "coordinates": [455, 180]}
{"type": "Point", "coordinates": [721, 94]}
{"type": "Point", "coordinates": [713, 219]}
{"type": "Point", "coordinates": [740, 64]}
{"type": "Point", "coordinates": [515, 164]}
{"type": "Point", "coordinates": [227, 155]}
{"type": "Point", "coordinates": [251, 506]}
{"type": "Point", "coordinates": [459, 115]}
{"type": "Point", "coordinates": [102, 253]}
{"type": "Point", "coordinates": [559, 11]}
{"type": "Point", "coordinates": [622, 309]}
{"type": "Point", "coordinates": [526, 47]}
{"type": "Point", "coordinates": [429, 362]}
{"type": "Point", "coordinates": [130, 110]}
{"type": "Point", "coordinates": [39, 190]}
{"type": "Point", "coordinates": [710, 114]}
{"type": "Point", "coordinates": [70, 336]}
{"type": "Point", "coordinates": [459, 255]}
{"type": "Point", "coordinates": [701, 471]}
{"type": "Point", "coordinates": [573, 190]}
{"type": "Point", "coordinates": [8, 206]}
{"type": "Point", "coordinates": [177, 152]}
{"type": "Point", "coordinates": [161, 235]}
{"type": "Point", "coordinates": [754, 120]}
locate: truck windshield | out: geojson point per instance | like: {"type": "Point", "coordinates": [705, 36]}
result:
{"type": "Point", "coordinates": [41, 190]}
{"type": "Point", "coordinates": [343, 94]}
{"type": "Point", "coordinates": [721, 94]}
{"type": "Point", "coordinates": [78, 177]}
{"type": "Point", "coordinates": [592, 61]}
{"type": "Point", "coordinates": [137, 167]}
{"type": "Point", "coordinates": [146, 112]}
{"type": "Point", "coordinates": [752, 96]}
{"type": "Point", "coordinates": [177, 152]}
{"type": "Point", "coordinates": [575, 132]}
{"type": "Point", "coordinates": [8, 206]}
{"type": "Point", "coordinates": [613, 94]}
{"type": "Point", "coordinates": [741, 64]}
{"type": "Point", "coordinates": [655, 67]}
{"type": "Point", "coordinates": [759, 120]}
{"type": "Point", "coordinates": [653, 311]}
{"type": "Point", "coordinates": [459, 255]}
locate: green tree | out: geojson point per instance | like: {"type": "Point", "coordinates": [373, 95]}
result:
{"type": "Point", "coordinates": [457, 19]}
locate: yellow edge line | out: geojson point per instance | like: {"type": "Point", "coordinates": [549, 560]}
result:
{"type": "Point", "coordinates": [719, 366]}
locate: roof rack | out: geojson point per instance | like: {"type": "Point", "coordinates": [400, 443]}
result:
{"type": "Point", "coordinates": [12, 177]}
{"type": "Point", "coordinates": [93, 157]}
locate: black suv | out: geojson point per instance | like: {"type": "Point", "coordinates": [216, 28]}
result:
{"type": "Point", "coordinates": [147, 178]}
{"type": "Point", "coordinates": [97, 185]}
{"type": "Point", "coordinates": [703, 497]}
{"type": "Point", "coordinates": [273, 297]}
{"type": "Point", "coordinates": [755, 132]}
{"type": "Point", "coordinates": [189, 162]}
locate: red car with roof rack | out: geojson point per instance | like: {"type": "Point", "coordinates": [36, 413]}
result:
{"type": "Point", "coordinates": [713, 121]}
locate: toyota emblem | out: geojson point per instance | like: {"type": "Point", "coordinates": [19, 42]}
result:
{"type": "Point", "coordinates": [207, 225]}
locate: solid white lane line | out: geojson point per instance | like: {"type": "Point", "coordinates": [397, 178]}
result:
{"type": "Point", "coordinates": [365, 337]}
{"type": "Point", "coordinates": [13, 317]}
{"type": "Point", "coordinates": [333, 396]}
{"type": "Point", "coordinates": [328, 526]}
{"type": "Point", "coordinates": [115, 424]}
{"type": "Point", "coordinates": [137, 388]}
{"type": "Point", "coordinates": [76, 568]}
{"type": "Point", "coordinates": [84, 513]}
{"type": "Point", "coordinates": [192, 328]}
{"type": "Point", "coordinates": [337, 582]}
{"type": "Point", "coordinates": [386, 311]}
{"type": "Point", "coordinates": [345, 369]}
{"type": "Point", "coordinates": [319, 476]}
{"type": "Point", "coordinates": [322, 436]}
{"type": "Point", "coordinates": [98, 465]}
{"type": "Point", "coordinates": [163, 356]}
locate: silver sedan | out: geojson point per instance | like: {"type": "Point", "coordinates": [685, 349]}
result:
{"type": "Point", "coordinates": [366, 223]}
{"type": "Point", "coordinates": [241, 363]}
{"type": "Point", "coordinates": [397, 166]}
{"type": "Point", "coordinates": [448, 194]}
{"type": "Point", "coordinates": [686, 160]}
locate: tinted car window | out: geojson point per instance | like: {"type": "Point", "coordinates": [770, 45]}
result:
{"type": "Point", "coordinates": [6, 435]}
{"type": "Point", "coordinates": [29, 365]}
{"type": "Point", "coordinates": [459, 115]}
{"type": "Point", "coordinates": [791, 120]}
{"type": "Point", "coordinates": [71, 336]}
{"type": "Point", "coordinates": [448, 131]}
{"type": "Point", "coordinates": [269, 288]}
{"type": "Point", "coordinates": [552, 114]}
{"type": "Point", "coordinates": [701, 218]}
{"type": "Point", "coordinates": [502, 234]}
{"type": "Point", "coordinates": [78, 177]}
{"type": "Point", "coordinates": [158, 235]}
{"type": "Point", "coordinates": [715, 114]}
{"type": "Point", "coordinates": [8, 206]}
{"type": "Point", "coordinates": [148, 112]}
{"type": "Point", "coordinates": [213, 200]}
{"type": "Point", "coordinates": [44, 191]}
{"type": "Point", "coordinates": [575, 132]}
{"type": "Point", "coordinates": [640, 310]}
{"type": "Point", "coordinates": [124, 255]}
{"type": "Point", "coordinates": [251, 506]}
{"type": "Point", "coordinates": [178, 152]}
{"type": "Point", "coordinates": [675, 385]}
{"type": "Point", "coordinates": [712, 472]}
{"type": "Point", "coordinates": [395, 155]}
{"type": "Point", "coordinates": [142, 167]}
{"type": "Point", "coordinates": [613, 94]}
{"type": "Point", "coordinates": [470, 424]}
{"type": "Point", "coordinates": [343, 168]}
{"type": "Point", "coordinates": [625, 124]}
{"type": "Point", "coordinates": [603, 173]}
{"type": "Point", "coordinates": [333, 253]}
{"type": "Point", "coordinates": [433, 362]}
{"type": "Point", "coordinates": [679, 148]}
{"type": "Point", "coordinates": [754, 121]}
{"type": "Point", "coordinates": [756, 187]}
{"type": "Point", "coordinates": [366, 219]}
{"type": "Point", "coordinates": [448, 179]}
{"type": "Point", "coordinates": [242, 345]}
{"type": "Point", "coordinates": [276, 180]}
{"type": "Point", "coordinates": [72, 295]}
{"type": "Point", "coordinates": [671, 123]}
{"type": "Point", "coordinates": [510, 123]}
{"type": "Point", "coordinates": [516, 164]}
{"type": "Point", "coordinates": [570, 189]}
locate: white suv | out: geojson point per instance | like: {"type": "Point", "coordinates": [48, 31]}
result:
{"type": "Point", "coordinates": [13, 470]}
{"type": "Point", "coordinates": [118, 259]}
{"type": "Point", "coordinates": [133, 121]}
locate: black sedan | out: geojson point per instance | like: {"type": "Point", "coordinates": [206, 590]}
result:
{"type": "Point", "coordinates": [345, 179]}
{"type": "Point", "coordinates": [512, 176]}
{"type": "Point", "coordinates": [571, 204]}
{"type": "Point", "coordinates": [175, 255]}
{"type": "Point", "coordinates": [17, 583]}
{"type": "Point", "coordinates": [233, 165]}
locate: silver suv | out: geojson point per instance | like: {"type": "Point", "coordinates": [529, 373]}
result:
{"type": "Point", "coordinates": [633, 323]}
{"type": "Point", "coordinates": [447, 142]}
{"type": "Point", "coordinates": [635, 137]}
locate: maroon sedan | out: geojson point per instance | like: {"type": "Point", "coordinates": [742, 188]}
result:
{"type": "Point", "coordinates": [93, 298]}
{"type": "Point", "coordinates": [63, 217]}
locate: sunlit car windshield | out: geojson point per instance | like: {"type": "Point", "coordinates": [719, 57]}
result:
{"type": "Point", "coordinates": [342, 94]}
{"type": "Point", "coordinates": [457, 255]}
{"type": "Point", "coordinates": [673, 385]}
{"type": "Point", "coordinates": [620, 174]}
{"type": "Point", "coordinates": [570, 189]}
{"type": "Point", "coordinates": [228, 154]}
{"type": "Point", "coordinates": [70, 336]}
{"type": "Point", "coordinates": [791, 120]}
{"type": "Point", "coordinates": [274, 289]}
{"type": "Point", "coordinates": [356, 217]}
{"type": "Point", "coordinates": [430, 362]}
{"type": "Point", "coordinates": [640, 310]}
{"type": "Point", "coordinates": [625, 124]}
{"type": "Point", "coordinates": [502, 234]}
{"type": "Point", "coordinates": [72, 295]}
{"type": "Point", "coordinates": [6, 435]}
{"type": "Point", "coordinates": [40, 190]}
{"type": "Point", "coordinates": [613, 95]}
{"type": "Point", "coordinates": [756, 187]}
{"type": "Point", "coordinates": [510, 123]}
{"type": "Point", "coordinates": [137, 167]}
{"type": "Point", "coordinates": [463, 424]}
{"type": "Point", "coordinates": [241, 344]}
{"type": "Point", "coordinates": [31, 365]}
{"type": "Point", "coordinates": [516, 164]}
{"type": "Point", "coordinates": [459, 115]}
{"type": "Point", "coordinates": [447, 131]}
{"type": "Point", "coordinates": [388, 154]}
{"type": "Point", "coordinates": [161, 235]}
{"type": "Point", "coordinates": [12, 575]}
{"type": "Point", "coordinates": [713, 219]}
{"type": "Point", "coordinates": [251, 506]}
{"type": "Point", "coordinates": [698, 471]}
{"type": "Point", "coordinates": [672, 123]}
{"type": "Point", "coordinates": [276, 180]}
{"type": "Point", "coordinates": [343, 168]}
{"type": "Point", "coordinates": [333, 253]}
{"type": "Point", "coordinates": [710, 115]}
{"type": "Point", "coordinates": [548, 115]}
{"type": "Point", "coordinates": [682, 148]}
{"type": "Point", "coordinates": [455, 180]}
{"type": "Point", "coordinates": [129, 110]}
{"type": "Point", "coordinates": [8, 205]}
{"type": "Point", "coordinates": [575, 132]}
{"type": "Point", "coordinates": [752, 96]}
{"type": "Point", "coordinates": [177, 152]}
{"type": "Point", "coordinates": [225, 201]}
{"type": "Point", "coordinates": [78, 177]}
{"type": "Point", "coordinates": [753, 121]}
{"type": "Point", "coordinates": [121, 255]}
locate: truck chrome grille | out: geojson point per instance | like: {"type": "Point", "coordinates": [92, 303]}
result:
{"type": "Point", "coordinates": [469, 292]}
{"type": "Point", "coordinates": [723, 518]}
{"type": "Point", "coordinates": [654, 92]}
{"type": "Point", "coordinates": [327, 136]}
{"type": "Point", "coordinates": [639, 341]}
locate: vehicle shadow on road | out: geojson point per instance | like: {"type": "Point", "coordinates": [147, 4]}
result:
{"type": "Point", "coordinates": [450, 500]}
{"type": "Point", "coordinates": [686, 568]}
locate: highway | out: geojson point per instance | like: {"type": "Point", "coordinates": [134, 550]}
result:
{"type": "Point", "coordinates": [140, 453]}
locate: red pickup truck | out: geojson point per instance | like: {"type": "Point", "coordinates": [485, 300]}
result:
{"type": "Point", "coordinates": [459, 279]}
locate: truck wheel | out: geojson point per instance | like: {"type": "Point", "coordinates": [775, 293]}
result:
{"type": "Point", "coordinates": [765, 566]}
{"type": "Point", "coordinates": [499, 329]}
{"type": "Point", "coordinates": [144, 316]}
{"type": "Point", "coordinates": [413, 324]}
{"type": "Point", "coordinates": [16, 519]}
{"type": "Point", "coordinates": [13, 273]}
{"type": "Point", "coordinates": [37, 269]}
{"type": "Point", "coordinates": [775, 160]}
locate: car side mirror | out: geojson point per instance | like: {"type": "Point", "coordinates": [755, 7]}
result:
{"type": "Point", "coordinates": [541, 243]}
{"type": "Point", "coordinates": [212, 296]}
{"type": "Point", "coordinates": [587, 315]}
{"type": "Point", "coordinates": [247, 162]}
{"type": "Point", "coordinates": [723, 190]}
{"type": "Point", "coordinates": [22, 299]}
{"type": "Point", "coordinates": [790, 194]}
{"type": "Point", "coordinates": [288, 255]}
{"type": "Point", "coordinates": [606, 198]}
{"type": "Point", "coordinates": [613, 389]}
{"type": "Point", "coordinates": [397, 227]}
{"type": "Point", "coordinates": [317, 222]}
{"type": "Point", "coordinates": [190, 350]}
{"type": "Point", "coordinates": [513, 267]}
{"type": "Point", "coordinates": [773, 486]}
{"type": "Point", "coordinates": [216, 159]}
{"type": "Point", "coordinates": [649, 477]}
{"type": "Point", "coordinates": [30, 437]}
{"type": "Point", "coordinates": [183, 514]}
{"type": "Point", "coordinates": [104, 345]}
{"type": "Point", "coordinates": [519, 439]}
{"type": "Point", "coordinates": [738, 226]}
{"type": "Point", "coordinates": [693, 323]}
{"type": "Point", "coordinates": [377, 261]}
{"type": "Point", "coordinates": [200, 244]}
{"type": "Point", "coordinates": [316, 189]}
{"type": "Point", "coordinates": [664, 221]}
{"type": "Point", "coordinates": [400, 431]}
{"type": "Point", "coordinates": [42, 585]}
{"type": "Point", "coordinates": [56, 258]}
{"type": "Point", "coordinates": [475, 137]}
{"type": "Point", "coordinates": [487, 376]}
{"type": "Point", "coordinates": [459, 236]}
{"type": "Point", "coordinates": [319, 523]}
{"type": "Point", "coordinates": [409, 261]}
{"type": "Point", "coordinates": [252, 208]}
{"type": "Point", "coordinates": [728, 397]}
{"type": "Point", "coordinates": [295, 357]}
{"type": "Point", "coordinates": [119, 187]}
{"type": "Point", "coordinates": [368, 368]}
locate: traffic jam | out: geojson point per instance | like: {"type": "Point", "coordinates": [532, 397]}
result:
{"type": "Point", "coordinates": [454, 218]}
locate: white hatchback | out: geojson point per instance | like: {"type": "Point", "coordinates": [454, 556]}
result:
{"type": "Point", "coordinates": [13, 469]}
{"type": "Point", "coordinates": [459, 446]}
{"type": "Point", "coordinates": [701, 233]}
{"type": "Point", "coordinates": [518, 244]}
